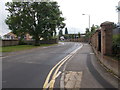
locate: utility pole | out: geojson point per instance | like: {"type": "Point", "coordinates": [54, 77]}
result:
{"type": "Point", "coordinates": [88, 20]}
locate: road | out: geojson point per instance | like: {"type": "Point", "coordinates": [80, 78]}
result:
{"type": "Point", "coordinates": [31, 69]}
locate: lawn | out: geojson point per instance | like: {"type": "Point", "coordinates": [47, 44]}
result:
{"type": "Point", "coordinates": [20, 47]}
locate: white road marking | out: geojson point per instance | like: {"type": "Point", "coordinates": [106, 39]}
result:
{"type": "Point", "coordinates": [4, 57]}
{"type": "Point", "coordinates": [45, 47]}
{"type": "Point", "coordinates": [91, 53]}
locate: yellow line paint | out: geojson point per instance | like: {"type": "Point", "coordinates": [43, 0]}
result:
{"type": "Point", "coordinates": [48, 77]}
{"type": "Point", "coordinates": [54, 76]}
{"type": "Point", "coordinates": [59, 64]}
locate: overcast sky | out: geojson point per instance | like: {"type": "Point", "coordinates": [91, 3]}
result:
{"type": "Point", "coordinates": [99, 11]}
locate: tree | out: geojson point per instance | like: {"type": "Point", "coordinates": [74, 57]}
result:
{"type": "Point", "coordinates": [39, 19]}
{"type": "Point", "coordinates": [118, 8]}
{"type": "Point", "coordinates": [66, 31]}
{"type": "Point", "coordinates": [60, 33]}
{"type": "Point", "coordinates": [93, 28]}
{"type": "Point", "coordinates": [79, 34]}
{"type": "Point", "coordinates": [87, 30]}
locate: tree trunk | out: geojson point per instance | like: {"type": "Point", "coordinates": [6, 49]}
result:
{"type": "Point", "coordinates": [37, 41]}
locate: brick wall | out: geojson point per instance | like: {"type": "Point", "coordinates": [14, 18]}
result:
{"type": "Point", "coordinates": [82, 39]}
{"type": "Point", "coordinates": [106, 46]}
{"type": "Point", "coordinates": [52, 41]}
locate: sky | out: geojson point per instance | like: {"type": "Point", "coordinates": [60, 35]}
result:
{"type": "Point", "coordinates": [99, 11]}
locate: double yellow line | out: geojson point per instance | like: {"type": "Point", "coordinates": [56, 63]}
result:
{"type": "Point", "coordinates": [50, 83]}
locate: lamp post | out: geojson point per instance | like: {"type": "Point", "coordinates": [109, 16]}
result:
{"type": "Point", "coordinates": [89, 19]}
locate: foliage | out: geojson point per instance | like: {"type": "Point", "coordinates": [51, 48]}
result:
{"type": "Point", "coordinates": [66, 31]}
{"type": "Point", "coordinates": [93, 29]}
{"type": "Point", "coordinates": [88, 33]}
{"type": "Point", "coordinates": [87, 30]}
{"type": "Point", "coordinates": [79, 35]}
{"type": "Point", "coordinates": [60, 33]}
{"type": "Point", "coordinates": [118, 8]}
{"type": "Point", "coordinates": [39, 19]}
{"type": "Point", "coordinates": [116, 45]}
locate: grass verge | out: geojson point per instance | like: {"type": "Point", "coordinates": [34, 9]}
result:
{"type": "Point", "coordinates": [21, 47]}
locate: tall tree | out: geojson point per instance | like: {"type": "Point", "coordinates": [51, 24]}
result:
{"type": "Point", "coordinates": [60, 33]}
{"type": "Point", "coordinates": [93, 28]}
{"type": "Point", "coordinates": [79, 34]}
{"type": "Point", "coordinates": [39, 19]}
{"type": "Point", "coordinates": [66, 31]}
{"type": "Point", "coordinates": [87, 30]}
{"type": "Point", "coordinates": [118, 8]}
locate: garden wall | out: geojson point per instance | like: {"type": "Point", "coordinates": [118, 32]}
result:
{"type": "Point", "coordinates": [82, 39]}
{"type": "Point", "coordinates": [101, 42]}
{"type": "Point", "coordinates": [52, 41]}
{"type": "Point", "coordinates": [28, 42]}
{"type": "Point", "coordinates": [9, 42]}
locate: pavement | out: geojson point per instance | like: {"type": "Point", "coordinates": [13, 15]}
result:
{"type": "Point", "coordinates": [84, 71]}
{"type": "Point", "coordinates": [66, 65]}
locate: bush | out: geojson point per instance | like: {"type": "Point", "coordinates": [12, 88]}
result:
{"type": "Point", "coordinates": [116, 45]}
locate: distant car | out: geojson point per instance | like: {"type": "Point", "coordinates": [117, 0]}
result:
{"type": "Point", "coordinates": [62, 38]}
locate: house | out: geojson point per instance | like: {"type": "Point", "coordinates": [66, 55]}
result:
{"type": "Point", "coordinates": [10, 36]}
{"type": "Point", "coordinates": [28, 37]}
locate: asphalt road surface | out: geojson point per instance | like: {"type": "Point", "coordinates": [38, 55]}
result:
{"type": "Point", "coordinates": [32, 68]}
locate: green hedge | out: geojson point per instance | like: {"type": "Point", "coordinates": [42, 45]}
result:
{"type": "Point", "coordinates": [116, 46]}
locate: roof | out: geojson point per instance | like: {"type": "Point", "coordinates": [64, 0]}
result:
{"type": "Point", "coordinates": [11, 34]}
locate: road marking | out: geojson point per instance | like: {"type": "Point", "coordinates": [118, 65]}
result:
{"type": "Point", "coordinates": [5, 57]}
{"type": "Point", "coordinates": [57, 67]}
{"type": "Point", "coordinates": [48, 77]}
{"type": "Point", "coordinates": [91, 53]}
{"type": "Point", "coordinates": [45, 47]}
{"type": "Point", "coordinates": [54, 76]}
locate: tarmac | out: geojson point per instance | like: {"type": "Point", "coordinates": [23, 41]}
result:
{"type": "Point", "coordinates": [84, 71]}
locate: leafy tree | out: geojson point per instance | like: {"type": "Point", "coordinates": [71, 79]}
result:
{"type": "Point", "coordinates": [87, 30]}
{"type": "Point", "coordinates": [88, 33]}
{"type": "Point", "coordinates": [118, 8]}
{"type": "Point", "coordinates": [93, 28]}
{"type": "Point", "coordinates": [60, 33]}
{"type": "Point", "coordinates": [79, 34]}
{"type": "Point", "coordinates": [97, 27]}
{"type": "Point", "coordinates": [39, 19]}
{"type": "Point", "coordinates": [66, 31]}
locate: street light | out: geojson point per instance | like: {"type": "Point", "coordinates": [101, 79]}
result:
{"type": "Point", "coordinates": [89, 19]}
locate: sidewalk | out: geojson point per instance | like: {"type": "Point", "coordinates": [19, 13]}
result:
{"type": "Point", "coordinates": [84, 71]}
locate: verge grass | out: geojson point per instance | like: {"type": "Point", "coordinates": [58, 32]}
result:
{"type": "Point", "coordinates": [21, 47]}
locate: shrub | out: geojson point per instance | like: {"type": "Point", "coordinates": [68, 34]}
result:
{"type": "Point", "coordinates": [116, 45]}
